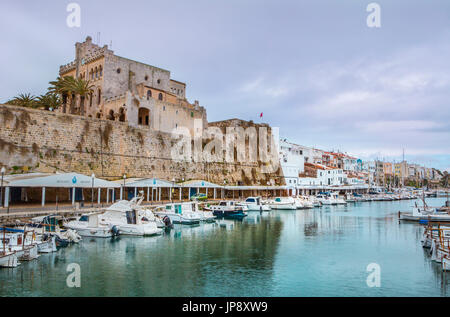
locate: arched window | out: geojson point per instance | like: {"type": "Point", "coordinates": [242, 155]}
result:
{"type": "Point", "coordinates": [96, 73]}
{"type": "Point", "coordinates": [144, 117]}
{"type": "Point", "coordinates": [110, 115]}
{"type": "Point", "coordinates": [149, 94]}
{"type": "Point", "coordinates": [101, 71]}
{"type": "Point", "coordinates": [99, 96]}
{"type": "Point", "coordinates": [99, 115]}
{"type": "Point", "coordinates": [122, 116]}
{"type": "Point", "coordinates": [90, 99]}
{"type": "Point", "coordinates": [160, 96]}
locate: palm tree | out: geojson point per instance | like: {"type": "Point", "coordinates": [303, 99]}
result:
{"type": "Point", "coordinates": [23, 100]}
{"type": "Point", "coordinates": [82, 88]}
{"type": "Point", "coordinates": [62, 86]}
{"type": "Point", "coordinates": [49, 100]}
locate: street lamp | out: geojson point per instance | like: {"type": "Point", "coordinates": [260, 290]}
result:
{"type": "Point", "coordinates": [124, 178]}
{"type": "Point", "coordinates": [92, 190]}
{"type": "Point", "coordinates": [172, 190]}
{"type": "Point", "coordinates": [1, 188]}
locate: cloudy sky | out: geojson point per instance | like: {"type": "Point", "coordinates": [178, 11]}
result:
{"type": "Point", "coordinates": [314, 68]}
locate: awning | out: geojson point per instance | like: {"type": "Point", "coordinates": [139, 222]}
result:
{"type": "Point", "coordinates": [66, 180]}
{"type": "Point", "coordinates": [200, 184]}
{"type": "Point", "coordinates": [149, 182]}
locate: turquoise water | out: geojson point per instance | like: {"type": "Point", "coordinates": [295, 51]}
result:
{"type": "Point", "coordinates": [318, 252]}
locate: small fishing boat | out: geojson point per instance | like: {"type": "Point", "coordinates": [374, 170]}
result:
{"type": "Point", "coordinates": [425, 214]}
{"type": "Point", "coordinates": [17, 240]}
{"type": "Point", "coordinates": [9, 260]}
{"type": "Point", "coordinates": [22, 243]}
{"type": "Point", "coordinates": [283, 203]}
{"type": "Point", "coordinates": [179, 213]}
{"type": "Point", "coordinates": [229, 210]}
{"type": "Point", "coordinates": [431, 233]}
{"type": "Point", "coordinates": [255, 204]}
{"type": "Point", "coordinates": [50, 225]}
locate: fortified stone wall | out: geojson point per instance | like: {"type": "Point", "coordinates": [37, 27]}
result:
{"type": "Point", "coordinates": [40, 141]}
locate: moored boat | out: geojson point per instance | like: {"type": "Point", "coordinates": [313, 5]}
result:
{"type": "Point", "coordinates": [255, 204]}
{"type": "Point", "coordinates": [283, 203]}
{"type": "Point", "coordinates": [179, 213]}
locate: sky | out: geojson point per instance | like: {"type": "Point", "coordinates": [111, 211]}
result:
{"type": "Point", "coordinates": [313, 68]}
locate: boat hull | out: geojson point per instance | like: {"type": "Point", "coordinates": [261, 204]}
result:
{"type": "Point", "coordinates": [179, 219]}
{"type": "Point", "coordinates": [9, 261]}
{"type": "Point", "coordinates": [283, 206]}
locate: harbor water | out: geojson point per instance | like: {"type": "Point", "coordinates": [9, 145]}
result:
{"type": "Point", "coordinates": [316, 252]}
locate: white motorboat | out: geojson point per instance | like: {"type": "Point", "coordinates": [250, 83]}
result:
{"type": "Point", "coordinates": [128, 220]}
{"type": "Point", "coordinates": [349, 198]}
{"type": "Point", "coordinates": [325, 199]}
{"type": "Point", "coordinates": [88, 225]}
{"type": "Point", "coordinates": [338, 200]}
{"type": "Point", "coordinates": [298, 203]}
{"type": "Point", "coordinates": [180, 213]}
{"type": "Point", "coordinates": [307, 203]}
{"type": "Point", "coordinates": [193, 206]}
{"type": "Point", "coordinates": [255, 204]}
{"type": "Point", "coordinates": [146, 214]}
{"type": "Point", "coordinates": [283, 203]}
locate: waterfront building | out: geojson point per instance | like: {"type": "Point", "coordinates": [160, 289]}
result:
{"type": "Point", "coordinates": [129, 91]}
{"type": "Point", "coordinates": [321, 175]}
{"type": "Point", "coordinates": [292, 161]}
{"type": "Point", "coordinates": [350, 163]}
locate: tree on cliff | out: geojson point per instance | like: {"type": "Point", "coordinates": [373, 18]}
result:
{"type": "Point", "coordinates": [82, 88]}
{"type": "Point", "coordinates": [69, 86]}
{"type": "Point", "coordinates": [23, 100]}
{"type": "Point", "coordinates": [62, 86]}
{"type": "Point", "coordinates": [48, 101]}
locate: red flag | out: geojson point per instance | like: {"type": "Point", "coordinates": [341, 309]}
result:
{"type": "Point", "coordinates": [261, 115]}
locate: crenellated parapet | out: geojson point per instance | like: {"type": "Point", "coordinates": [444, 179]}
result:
{"type": "Point", "coordinates": [67, 68]}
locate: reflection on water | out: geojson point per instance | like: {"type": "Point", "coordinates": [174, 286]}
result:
{"type": "Point", "coordinates": [318, 252]}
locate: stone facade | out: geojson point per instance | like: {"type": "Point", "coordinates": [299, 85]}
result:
{"type": "Point", "coordinates": [130, 91]}
{"type": "Point", "coordinates": [42, 141]}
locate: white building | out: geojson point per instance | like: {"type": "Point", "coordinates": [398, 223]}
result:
{"type": "Point", "coordinates": [325, 176]}
{"type": "Point", "coordinates": [292, 161]}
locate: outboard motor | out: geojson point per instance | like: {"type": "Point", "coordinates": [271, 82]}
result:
{"type": "Point", "coordinates": [167, 222]}
{"type": "Point", "coordinates": [115, 231]}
